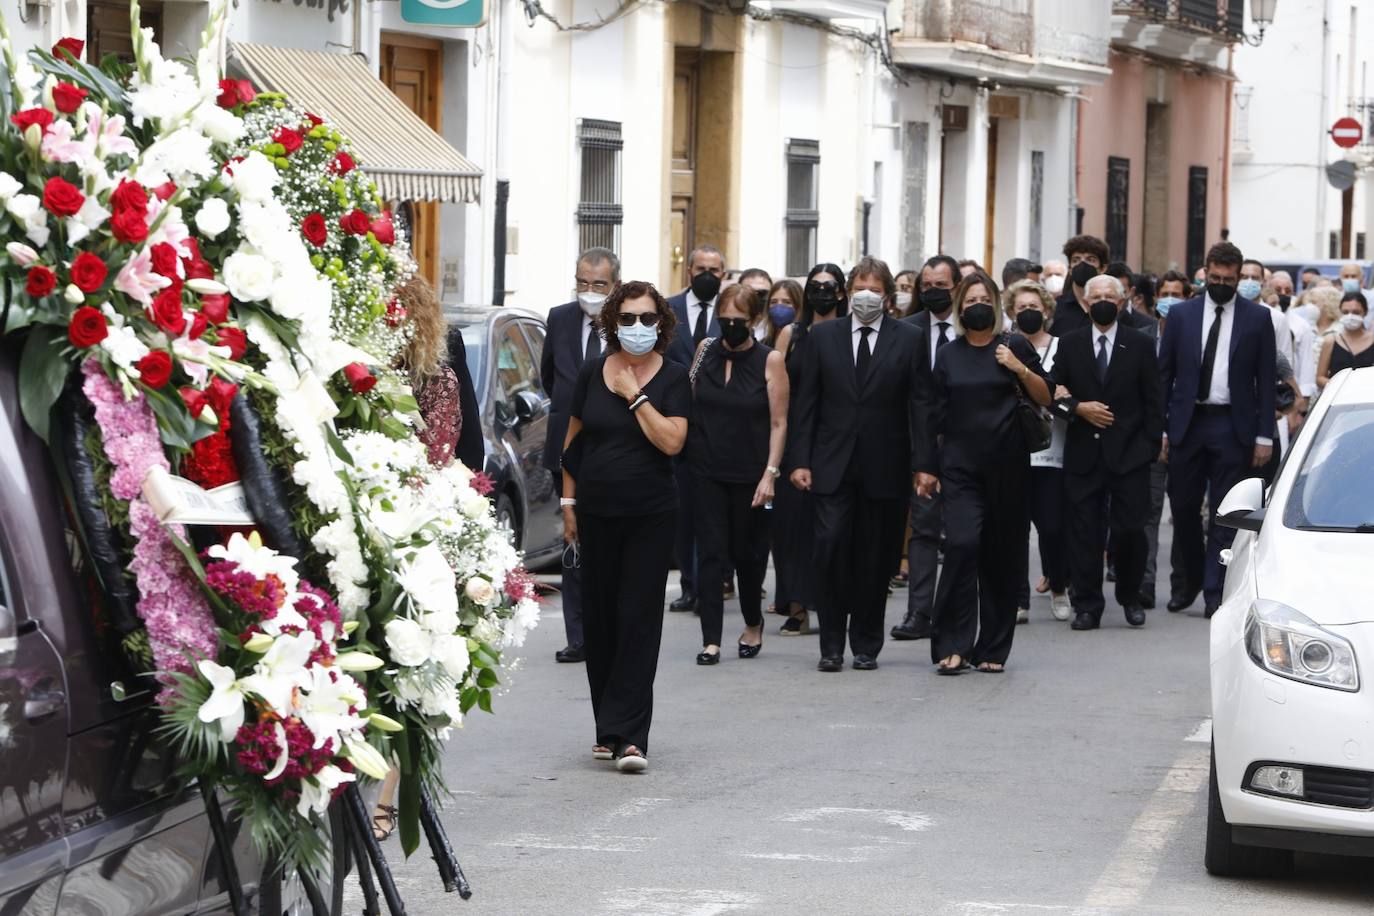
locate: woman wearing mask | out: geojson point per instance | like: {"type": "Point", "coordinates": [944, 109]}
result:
{"type": "Point", "coordinates": [757, 279]}
{"type": "Point", "coordinates": [1351, 347]}
{"type": "Point", "coordinates": [904, 303]}
{"type": "Point", "coordinates": [1326, 301]}
{"type": "Point", "coordinates": [974, 452]}
{"type": "Point", "coordinates": [784, 305]}
{"type": "Point", "coordinates": [1031, 307]}
{"type": "Point", "coordinates": [734, 447]}
{"type": "Point", "coordinates": [823, 298]}
{"type": "Point", "coordinates": [628, 417]}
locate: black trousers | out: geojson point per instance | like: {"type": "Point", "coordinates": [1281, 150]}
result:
{"type": "Point", "coordinates": [1159, 479]}
{"type": "Point", "coordinates": [1126, 499]}
{"type": "Point", "coordinates": [1209, 460]}
{"type": "Point", "coordinates": [858, 547]}
{"type": "Point", "coordinates": [624, 573]}
{"type": "Point", "coordinates": [923, 555]}
{"type": "Point", "coordinates": [793, 530]}
{"type": "Point", "coordinates": [985, 532]}
{"type": "Point", "coordinates": [729, 531]}
{"type": "Point", "coordinates": [1046, 512]}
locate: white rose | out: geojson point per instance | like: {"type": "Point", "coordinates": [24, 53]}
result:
{"type": "Point", "coordinates": [255, 177]}
{"type": "Point", "coordinates": [213, 217]}
{"type": "Point", "coordinates": [480, 590]}
{"type": "Point", "coordinates": [248, 276]}
{"type": "Point", "coordinates": [440, 623]}
{"type": "Point", "coordinates": [452, 653]}
{"type": "Point", "coordinates": [303, 294]}
{"type": "Point", "coordinates": [219, 124]}
{"type": "Point", "coordinates": [408, 643]}
{"type": "Point", "coordinates": [475, 505]}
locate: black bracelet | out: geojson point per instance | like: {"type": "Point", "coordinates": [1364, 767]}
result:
{"type": "Point", "coordinates": [639, 402]}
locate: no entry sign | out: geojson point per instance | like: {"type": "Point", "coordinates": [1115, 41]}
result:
{"type": "Point", "coordinates": [1347, 132]}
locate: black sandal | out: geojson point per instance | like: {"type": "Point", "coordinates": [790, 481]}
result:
{"type": "Point", "coordinates": [384, 824]}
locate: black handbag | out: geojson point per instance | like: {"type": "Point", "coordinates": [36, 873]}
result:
{"type": "Point", "coordinates": [1035, 422]}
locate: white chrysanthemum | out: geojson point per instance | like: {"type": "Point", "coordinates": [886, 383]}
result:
{"type": "Point", "coordinates": [182, 156]}
{"type": "Point", "coordinates": [249, 276]}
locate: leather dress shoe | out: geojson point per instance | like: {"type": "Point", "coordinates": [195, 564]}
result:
{"type": "Point", "coordinates": [686, 602]}
{"type": "Point", "coordinates": [865, 663]}
{"type": "Point", "coordinates": [1210, 609]}
{"type": "Point", "coordinates": [830, 664]}
{"type": "Point", "coordinates": [1147, 600]}
{"type": "Point", "coordinates": [1084, 621]}
{"type": "Point", "coordinates": [1135, 615]}
{"type": "Point", "coordinates": [1181, 602]}
{"type": "Point", "coordinates": [913, 626]}
{"type": "Point", "coordinates": [570, 654]}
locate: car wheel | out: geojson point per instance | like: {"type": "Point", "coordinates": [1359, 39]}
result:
{"type": "Point", "coordinates": [507, 518]}
{"type": "Point", "coordinates": [285, 894]}
{"type": "Point", "coordinates": [1226, 858]}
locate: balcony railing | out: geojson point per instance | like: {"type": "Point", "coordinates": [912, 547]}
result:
{"type": "Point", "coordinates": [1214, 17]}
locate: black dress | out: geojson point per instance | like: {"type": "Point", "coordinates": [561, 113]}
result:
{"type": "Point", "coordinates": [794, 514]}
{"type": "Point", "coordinates": [1341, 358]}
{"type": "Point", "coordinates": [727, 449]}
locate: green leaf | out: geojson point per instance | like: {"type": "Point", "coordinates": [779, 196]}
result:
{"type": "Point", "coordinates": [487, 678]}
{"type": "Point", "coordinates": [408, 810]}
{"type": "Point", "coordinates": [42, 373]}
{"type": "Point", "coordinates": [484, 701]}
{"type": "Point", "coordinates": [175, 424]}
{"type": "Point", "coordinates": [468, 699]}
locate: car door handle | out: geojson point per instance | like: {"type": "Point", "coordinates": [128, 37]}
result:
{"type": "Point", "coordinates": [43, 701]}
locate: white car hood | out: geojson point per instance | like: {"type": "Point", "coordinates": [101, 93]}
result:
{"type": "Point", "coordinates": [1326, 575]}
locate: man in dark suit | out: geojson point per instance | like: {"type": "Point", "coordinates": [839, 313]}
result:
{"type": "Point", "coordinates": [856, 420]}
{"type": "Point", "coordinates": [1216, 366]}
{"type": "Point", "coordinates": [1111, 398]}
{"type": "Point", "coordinates": [695, 308]}
{"type": "Point", "coordinates": [1087, 255]}
{"type": "Point", "coordinates": [572, 340]}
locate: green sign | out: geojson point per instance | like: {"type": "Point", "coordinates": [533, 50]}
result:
{"type": "Point", "coordinates": [459, 14]}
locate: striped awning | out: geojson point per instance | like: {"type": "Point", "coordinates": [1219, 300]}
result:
{"type": "Point", "coordinates": [400, 152]}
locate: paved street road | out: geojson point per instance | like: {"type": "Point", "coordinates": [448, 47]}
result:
{"type": "Point", "coordinates": [1075, 783]}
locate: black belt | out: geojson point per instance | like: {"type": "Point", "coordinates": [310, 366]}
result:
{"type": "Point", "coordinates": [1212, 408]}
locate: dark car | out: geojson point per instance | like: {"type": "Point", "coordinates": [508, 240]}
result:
{"type": "Point", "coordinates": [503, 348]}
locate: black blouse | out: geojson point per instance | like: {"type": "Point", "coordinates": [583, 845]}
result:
{"type": "Point", "coordinates": [974, 403]}
{"type": "Point", "coordinates": [728, 436]}
{"type": "Point", "coordinates": [620, 471]}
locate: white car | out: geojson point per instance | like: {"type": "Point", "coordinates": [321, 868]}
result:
{"type": "Point", "coordinates": [1292, 650]}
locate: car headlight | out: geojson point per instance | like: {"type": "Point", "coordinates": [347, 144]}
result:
{"type": "Point", "coordinates": [1284, 642]}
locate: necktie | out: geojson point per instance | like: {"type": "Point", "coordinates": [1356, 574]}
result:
{"type": "Point", "coordinates": [865, 356]}
{"type": "Point", "coordinates": [699, 329]}
{"type": "Point", "coordinates": [593, 345]}
{"type": "Point", "coordinates": [1102, 358]}
{"type": "Point", "coordinates": [1209, 359]}
{"type": "Point", "coordinates": [944, 335]}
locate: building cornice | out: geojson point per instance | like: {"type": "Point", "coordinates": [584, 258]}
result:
{"type": "Point", "coordinates": [976, 61]}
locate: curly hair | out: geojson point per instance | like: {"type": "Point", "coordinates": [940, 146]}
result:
{"type": "Point", "coordinates": [1089, 245]}
{"type": "Point", "coordinates": [609, 317]}
{"type": "Point", "coordinates": [1010, 294]}
{"type": "Point", "coordinates": [427, 351]}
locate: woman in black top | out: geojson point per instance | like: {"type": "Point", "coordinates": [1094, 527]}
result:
{"type": "Point", "coordinates": [794, 525]}
{"type": "Point", "coordinates": [734, 447]}
{"type": "Point", "coordinates": [628, 416]}
{"type": "Point", "coordinates": [976, 456]}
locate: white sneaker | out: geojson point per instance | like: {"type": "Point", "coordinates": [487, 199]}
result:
{"type": "Point", "coordinates": [1023, 615]}
{"type": "Point", "coordinates": [1060, 607]}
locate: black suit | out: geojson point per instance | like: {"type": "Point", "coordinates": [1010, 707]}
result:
{"type": "Point", "coordinates": [559, 366]}
{"type": "Point", "coordinates": [1112, 465]}
{"type": "Point", "coordinates": [927, 515]}
{"type": "Point", "coordinates": [856, 437]}
{"type": "Point", "coordinates": [1140, 322]}
{"type": "Point", "coordinates": [471, 448]}
{"type": "Point", "coordinates": [683, 349]}
{"type": "Point", "coordinates": [1069, 316]}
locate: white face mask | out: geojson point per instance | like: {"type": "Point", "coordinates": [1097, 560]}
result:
{"type": "Point", "coordinates": [1352, 323]}
{"type": "Point", "coordinates": [591, 303]}
{"type": "Point", "coordinates": [866, 305]}
{"type": "Point", "coordinates": [904, 301]}
{"type": "Point", "coordinates": [1055, 284]}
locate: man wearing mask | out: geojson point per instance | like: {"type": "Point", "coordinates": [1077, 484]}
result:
{"type": "Point", "coordinates": [757, 279]}
{"type": "Point", "coordinates": [1115, 415]}
{"type": "Point", "coordinates": [695, 308]}
{"type": "Point", "coordinates": [1052, 275]}
{"type": "Point", "coordinates": [1292, 336]}
{"type": "Point", "coordinates": [935, 328]}
{"type": "Point", "coordinates": [572, 339]}
{"type": "Point", "coordinates": [1217, 369]}
{"type": "Point", "coordinates": [1087, 255]}
{"type": "Point", "coordinates": [1352, 279]}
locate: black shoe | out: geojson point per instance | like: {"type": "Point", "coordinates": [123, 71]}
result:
{"type": "Point", "coordinates": [708, 658]}
{"type": "Point", "coordinates": [1135, 615]}
{"type": "Point", "coordinates": [913, 626]}
{"type": "Point", "coordinates": [1210, 608]}
{"type": "Point", "coordinates": [830, 664]}
{"type": "Point", "coordinates": [1111, 572]}
{"type": "Point", "coordinates": [1181, 602]}
{"type": "Point", "coordinates": [1083, 621]}
{"type": "Point", "coordinates": [570, 654]}
{"type": "Point", "coordinates": [687, 602]}
{"type": "Point", "coordinates": [865, 663]}
{"type": "Point", "coordinates": [748, 651]}
{"type": "Point", "coordinates": [1147, 600]}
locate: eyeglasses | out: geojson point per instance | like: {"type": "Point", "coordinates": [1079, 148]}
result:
{"type": "Point", "coordinates": [599, 286]}
{"type": "Point", "coordinates": [826, 287]}
{"type": "Point", "coordinates": [628, 319]}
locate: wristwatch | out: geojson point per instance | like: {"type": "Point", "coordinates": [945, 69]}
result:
{"type": "Point", "coordinates": [564, 502]}
{"type": "Point", "coordinates": [774, 471]}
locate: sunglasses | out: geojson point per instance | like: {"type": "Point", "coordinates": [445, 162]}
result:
{"type": "Point", "coordinates": [825, 287]}
{"type": "Point", "coordinates": [733, 322]}
{"type": "Point", "coordinates": [628, 319]}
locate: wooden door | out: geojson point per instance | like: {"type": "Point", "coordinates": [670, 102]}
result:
{"type": "Point", "coordinates": [990, 222]}
{"type": "Point", "coordinates": [107, 28]}
{"type": "Point", "coordinates": [681, 231]}
{"type": "Point", "coordinates": [412, 68]}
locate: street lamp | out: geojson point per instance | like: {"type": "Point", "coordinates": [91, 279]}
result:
{"type": "Point", "coordinates": [1262, 11]}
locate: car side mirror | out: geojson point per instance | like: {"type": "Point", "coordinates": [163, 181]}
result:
{"type": "Point", "coordinates": [527, 406]}
{"type": "Point", "coordinates": [1243, 507]}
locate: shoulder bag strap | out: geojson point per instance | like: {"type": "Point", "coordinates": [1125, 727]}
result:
{"type": "Point", "coordinates": [696, 363]}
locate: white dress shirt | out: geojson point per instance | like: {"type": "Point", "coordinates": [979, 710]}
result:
{"type": "Point", "coordinates": [1098, 334]}
{"type": "Point", "coordinates": [854, 326]}
{"type": "Point", "coordinates": [1304, 362]}
{"type": "Point", "coordinates": [1220, 392]}
{"type": "Point", "coordinates": [694, 307]}
{"type": "Point", "coordinates": [935, 332]}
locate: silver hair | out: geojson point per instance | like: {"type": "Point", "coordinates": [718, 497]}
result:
{"type": "Point", "coordinates": [1116, 285]}
{"type": "Point", "coordinates": [595, 257]}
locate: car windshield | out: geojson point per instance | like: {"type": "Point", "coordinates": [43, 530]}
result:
{"type": "Point", "coordinates": [475, 343]}
{"type": "Point", "coordinates": [1334, 490]}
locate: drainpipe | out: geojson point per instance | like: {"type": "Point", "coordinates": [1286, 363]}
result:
{"type": "Point", "coordinates": [1075, 157]}
{"type": "Point", "coordinates": [1323, 112]}
{"type": "Point", "coordinates": [1226, 138]}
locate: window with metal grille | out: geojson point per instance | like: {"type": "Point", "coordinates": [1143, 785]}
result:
{"type": "Point", "coordinates": [802, 217]}
{"type": "Point", "coordinates": [1240, 126]}
{"type": "Point", "coordinates": [599, 212]}
{"type": "Point", "coordinates": [1359, 246]}
{"type": "Point", "coordinates": [1118, 200]}
{"type": "Point", "coordinates": [1197, 217]}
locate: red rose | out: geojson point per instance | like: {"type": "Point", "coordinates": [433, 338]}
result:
{"type": "Point", "coordinates": [342, 164]}
{"type": "Point", "coordinates": [383, 229]}
{"type": "Point", "coordinates": [193, 246]}
{"type": "Point", "coordinates": [235, 92]}
{"type": "Point", "coordinates": [155, 368]}
{"type": "Point", "coordinates": [72, 46]}
{"type": "Point", "coordinates": [88, 272]}
{"type": "Point", "coordinates": [164, 259]}
{"type": "Point", "coordinates": [359, 378]}
{"type": "Point", "coordinates": [198, 270]}
{"type": "Point", "coordinates": [130, 195]}
{"type": "Point", "coordinates": [167, 312]}
{"type": "Point", "coordinates": [87, 327]}
{"type": "Point", "coordinates": [355, 223]}
{"type": "Point", "coordinates": [395, 313]}
{"type": "Point", "coordinates": [234, 339]}
{"type": "Point", "coordinates": [290, 140]}
{"type": "Point", "coordinates": [129, 226]}
{"type": "Point", "coordinates": [195, 401]}
{"type": "Point", "coordinates": [41, 281]}
{"type": "Point", "coordinates": [165, 190]}
{"type": "Point", "coordinates": [198, 324]}
{"type": "Point", "coordinates": [314, 229]}
{"type": "Point", "coordinates": [30, 116]}
{"type": "Point", "coordinates": [61, 197]}
{"type": "Point", "coordinates": [68, 98]}
{"type": "Point", "coordinates": [220, 393]}
{"type": "Point", "coordinates": [215, 307]}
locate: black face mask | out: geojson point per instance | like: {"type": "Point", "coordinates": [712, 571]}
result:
{"type": "Point", "coordinates": [1221, 293]}
{"type": "Point", "coordinates": [1030, 321]}
{"type": "Point", "coordinates": [1082, 273]}
{"type": "Point", "coordinates": [822, 301]}
{"type": "Point", "coordinates": [1102, 312]}
{"type": "Point", "coordinates": [978, 317]}
{"type": "Point", "coordinates": [735, 332]}
{"type": "Point", "coordinates": [935, 300]}
{"type": "Point", "coordinates": [1284, 302]}
{"type": "Point", "coordinates": [705, 285]}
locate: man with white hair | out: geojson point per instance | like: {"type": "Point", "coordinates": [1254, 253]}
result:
{"type": "Point", "coordinates": [1052, 274]}
{"type": "Point", "coordinates": [1107, 388]}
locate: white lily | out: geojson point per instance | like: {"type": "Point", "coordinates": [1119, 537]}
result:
{"type": "Point", "coordinates": [358, 661]}
{"type": "Point", "coordinates": [429, 581]}
{"type": "Point", "coordinates": [366, 758]}
{"type": "Point", "coordinates": [225, 705]}
{"type": "Point", "coordinates": [278, 768]}
{"type": "Point", "coordinates": [281, 671]}
{"type": "Point", "coordinates": [325, 706]}
{"type": "Point", "coordinates": [317, 791]}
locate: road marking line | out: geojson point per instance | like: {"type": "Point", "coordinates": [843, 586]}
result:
{"type": "Point", "coordinates": [906, 820]}
{"type": "Point", "coordinates": [637, 806]}
{"type": "Point", "coordinates": [588, 844]}
{"type": "Point", "coordinates": [1132, 869]}
{"type": "Point", "coordinates": [857, 854]}
{"type": "Point", "coordinates": [1203, 733]}
{"type": "Point", "coordinates": [668, 901]}
{"type": "Point", "coordinates": [978, 906]}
